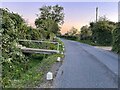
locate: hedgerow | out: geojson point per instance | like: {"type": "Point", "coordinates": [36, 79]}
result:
{"type": "Point", "coordinates": [116, 39]}
{"type": "Point", "coordinates": [13, 60]}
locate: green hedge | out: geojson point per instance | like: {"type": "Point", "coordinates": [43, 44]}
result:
{"type": "Point", "coordinates": [102, 32]}
{"type": "Point", "coordinates": [116, 39]}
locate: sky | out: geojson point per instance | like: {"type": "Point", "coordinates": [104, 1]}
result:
{"type": "Point", "coordinates": [77, 14]}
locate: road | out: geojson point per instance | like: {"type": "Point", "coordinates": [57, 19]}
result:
{"type": "Point", "coordinates": [85, 66]}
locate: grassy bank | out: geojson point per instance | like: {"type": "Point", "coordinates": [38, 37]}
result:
{"type": "Point", "coordinates": [38, 68]}
{"type": "Point", "coordinates": [90, 42]}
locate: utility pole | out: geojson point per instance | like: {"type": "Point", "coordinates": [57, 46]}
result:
{"type": "Point", "coordinates": [96, 14]}
{"type": "Point", "coordinates": [119, 11]}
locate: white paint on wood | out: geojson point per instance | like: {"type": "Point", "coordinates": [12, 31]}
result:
{"type": "Point", "coordinates": [38, 41]}
{"type": "Point", "coordinates": [35, 50]}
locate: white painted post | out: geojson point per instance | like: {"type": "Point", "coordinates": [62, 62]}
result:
{"type": "Point", "coordinates": [63, 49]}
{"type": "Point", "coordinates": [20, 46]}
{"type": "Point", "coordinates": [49, 76]}
{"type": "Point", "coordinates": [62, 53]}
{"type": "Point", "coordinates": [58, 47]}
{"type": "Point", "coordinates": [58, 59]}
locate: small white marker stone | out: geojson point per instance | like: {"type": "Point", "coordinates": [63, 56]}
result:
{"type": "Point", "coordinates": [49, 76]}
{"type": "Point", "coordinates": [58, 59]}
{"type": "Point", "coordinates": [61, 52]}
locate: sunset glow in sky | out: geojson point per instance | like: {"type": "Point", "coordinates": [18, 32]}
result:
{"type": "Point", "coordinates": [77, 14]}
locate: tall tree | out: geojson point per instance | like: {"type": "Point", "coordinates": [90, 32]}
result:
{"type": "Point", "coordinates": [72, 32]}
{"type": "Point", "coordinates": [85, 32]}
{"type": "Point", "coordinates": [50, 18]}
{"type": "Point", "coordinates": [102, 31]}
{"type": "Point", "coordinates": [57, 14]}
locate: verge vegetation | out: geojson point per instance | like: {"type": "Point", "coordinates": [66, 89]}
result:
{"type": "Point", "coordinates": [24, 69]}
{"type": "Point", "coordinates": [100, 33]}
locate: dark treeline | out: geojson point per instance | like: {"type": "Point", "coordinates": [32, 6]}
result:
{"type": "Point", "coordinates": [103, 33]}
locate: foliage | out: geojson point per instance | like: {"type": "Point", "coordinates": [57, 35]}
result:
{"type": "Point", "coordinates": [13, 60]}
{"type": "Point", "coordinates": [52, 12]}
{"type": "Point", "coordinates": [50, 18]}
{"type": "Point", "coordinates": [69, 37]}
{"type": "Point", "coordinates": [98, 33]}
{"type": "Point", "coordinates": [85, 33]}
{"type": "Point", "coordinates": [72, 32]}
{"type": "Point", "coordinates": [102, 32]}
{"type": "Point", "coordinates": [116, 39]}
{"type": "Point", "coordinates": [34, 76]}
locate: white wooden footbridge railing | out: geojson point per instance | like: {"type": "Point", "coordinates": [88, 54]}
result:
{"type": "Point", "coordinates": [35, 50]}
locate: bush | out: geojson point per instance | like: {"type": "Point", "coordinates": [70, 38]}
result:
{"type": "Point", "coordinates": [13, 60]}
{"type": "Point", "coordinates": [69, 37]}
{"type": "Point", "coordinates": [116, 39]}
{"type": "Point", "coordinates": [102, 32]}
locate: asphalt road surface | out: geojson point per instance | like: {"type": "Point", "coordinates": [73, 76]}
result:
{"type": "Point", "coordinates": [85, 66]}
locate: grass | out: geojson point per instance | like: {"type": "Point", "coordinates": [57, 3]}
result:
{"type": "Point", "coordinates": [90, 42]}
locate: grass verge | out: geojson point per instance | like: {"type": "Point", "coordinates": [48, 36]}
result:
{"type": "Point", "coordinates": [90, 42]}
{"type": "Point", "coordinates": [34, 75]}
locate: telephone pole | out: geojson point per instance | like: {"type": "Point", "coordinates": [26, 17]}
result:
{"type": "Point", "coordinates": [96, 14]}
{"type": "Point", "coordinates": [119, 11]}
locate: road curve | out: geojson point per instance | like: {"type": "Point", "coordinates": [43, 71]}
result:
{"type": "Point", "coordinates": [86, 67]}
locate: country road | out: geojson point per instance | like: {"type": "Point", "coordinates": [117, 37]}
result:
{"type": "Point", "coordinates": [85, 66]}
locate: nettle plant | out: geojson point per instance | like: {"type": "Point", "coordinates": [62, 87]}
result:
{"type": "Point", "coordinates": [13, 60]}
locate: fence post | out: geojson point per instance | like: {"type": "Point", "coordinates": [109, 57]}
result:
{"type": "Point", "coordinates": [58, 46]}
